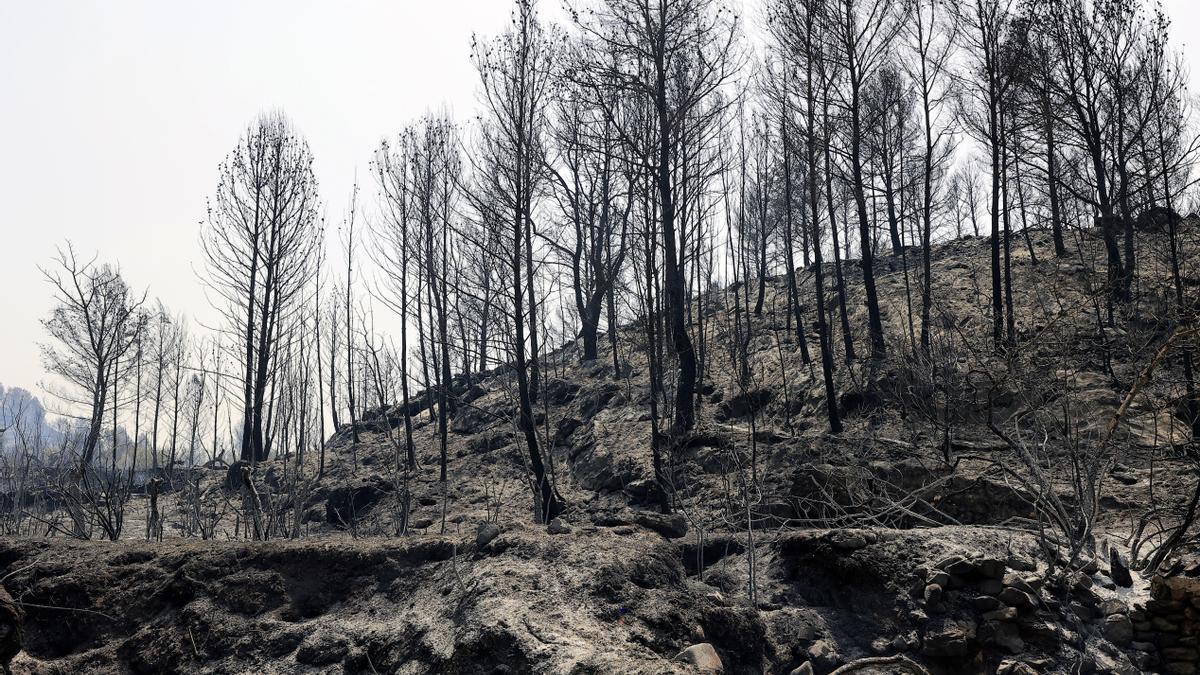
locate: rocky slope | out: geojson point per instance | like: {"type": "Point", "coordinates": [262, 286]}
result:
{"type": "Point", "coordinates": [916, 541]}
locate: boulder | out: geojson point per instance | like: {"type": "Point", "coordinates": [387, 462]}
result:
{"type": "Point", "coordinates": [1019, 583]}
{"type": "Point", "coordinates": [849, 540]}
{"type": "Point", "coordinates": [557, 526]}
{"type": "Point", "coordinates": [939, 578]}
{"type": "Point", "coordinates": [472, 420]}
{"type": "Point", "coordinates": [1118, 629]}
{"type": "Point", "coordinates": [703, 658]}
{"type": "Point", "coordinates": [673, 526]}
{"type": "Point", "coordinates": [824, 654]}
{"type": "Point", "coordinates": [557, 391]}
{"type": "Point", "coordinates": [949, 638]}
{"type": "Point", "coordinates": [992, 568]}
{"type": "Point", "coordinates": [743, 405]}
{"type": "Point", "coordinates": [1118, 570]}
{"type": "Point", "coordinates": [485, 533]}
{"type": "Point", "coordinates": [565, 427]}
{"type": "Point", "coordinates": [1015, 597]}
{"type": "Point", "coordinates": [960, 567]}
{"type": "Point", "coordinates": [488, 442]}
{"type": "Point", "coordinates": [933, 596]}
{"type": "Point", "coordinates": [986, 603]}
{"type": "Point", "coordinates": [595, 398]}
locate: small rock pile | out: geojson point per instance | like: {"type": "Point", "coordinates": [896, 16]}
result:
{"type": "Point", "coordinates": [973, 603]}
{"type": "Point", "coordinates": [1001, 610]}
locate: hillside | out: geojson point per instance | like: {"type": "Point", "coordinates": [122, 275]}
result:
{"type": "Point", "coordinates": [976, 515]}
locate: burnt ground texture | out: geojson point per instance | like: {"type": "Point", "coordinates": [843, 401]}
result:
{"type": "Point", "coordinates": [939, 533]}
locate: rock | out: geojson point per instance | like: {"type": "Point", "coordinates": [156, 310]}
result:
{"type": "Point", "coordinates": [485, 533]}
{"type": "Point", "coordinates": [642, 490]}
{"type": "Point", "coordinates": [565, 427]}
{"type": "Point", "coordinates": [824, 655]}
{"type": "Point", "coordinates": [557, 526]}
{"type": "Point", "coordinates": [938, 578]}
{"type": "Point", "coordinates": [991, 568]}
{"type": "Point", "coordinates": [848, 540]}
{"type": "Point", "coordinates": [991, 586]}
{"type": "Point", "coordinates": [1014, 597]}
{"type": "Point", "coordinates": [1118, 629]}
{"type": "Point", "coordinates": [421, 523]}
{"type": "Point", "coordinates": [1082, 582]}
{"type": "Point", "coordinates": [954, 564]}
{"type": "Point", "coordinates": [1016, 581]}
{"type": "Point", "coordinates": [1010, 667]}
{"type": "Point", "coordinates": [1083, 611]}
{"type": "Point", "coordinates": [742, 405]}
{"type": "Point", "coordinates": [593, 399]}
{"type": "Point", "coordinates": [1004, 635]}
{"type": "Point", "coordinates": [1002, 614]}
{"type": "Point", "coordinates": [962, 568]}
{"type": "Point", "coordinates": [488, 442]}
{"type": "Point", "coordinates": [933, 595]}
{"type": "Point", "coordinates": [702, 657]}
{"type": "Point", "coordinates": [1022, 564]}
{"type": "Point", "coordinates": [1118, 570]}
{"type": "Point", "coordinates": [885, 665]}
{"type": "Point", "coordinates": [472, 420]}
{"type": "Point", "coordinates": [949, 638]}
{"type": "Point", "coordinates": [986, 603]}
{"type": "Point", "coordinates": [472, 394]}
{"type": "Point", "coordinates": [673, 526]}
{"type": "Point", "coordinates": [559, 392]}
{"type": "Point", "coordinates": [1110, 607]}
{"type": "Point", "coordinates": [1097, 661]}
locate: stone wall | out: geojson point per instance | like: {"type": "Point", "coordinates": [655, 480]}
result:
{"type": "Point", "coordinates": [1166, 629]}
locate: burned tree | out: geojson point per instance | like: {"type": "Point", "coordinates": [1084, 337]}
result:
{"type": "Point", "coordinates": [97, 321]}
{"type": "Point", "coordinates": [516, 76]}
{"type": "Point", "coordinates": [676, 55]}
{"type": "Point", "coordinates": [259, 239]}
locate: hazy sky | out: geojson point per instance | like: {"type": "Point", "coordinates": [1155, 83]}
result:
{"type": "Point", "coordinates": [115, 113]}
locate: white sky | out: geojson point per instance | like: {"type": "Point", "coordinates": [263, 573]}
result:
{"type": "Point", "coordinates": [115, 113]}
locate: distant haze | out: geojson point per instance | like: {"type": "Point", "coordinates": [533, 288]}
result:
{"type": "Point", "coordinates": [114, 116]}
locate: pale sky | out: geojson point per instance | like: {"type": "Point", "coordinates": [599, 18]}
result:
{"type": "Point", "coordinates": [115, 113]}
